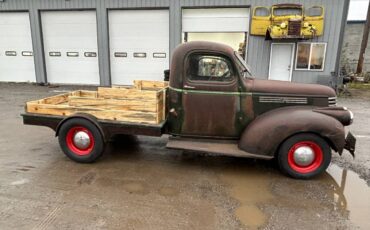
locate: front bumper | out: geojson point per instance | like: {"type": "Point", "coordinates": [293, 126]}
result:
{"type": "Point", "coordinates": [350, 143]}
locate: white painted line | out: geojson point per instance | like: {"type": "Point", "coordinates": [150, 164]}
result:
{"type": "Point", "coordinates": [20, 182]}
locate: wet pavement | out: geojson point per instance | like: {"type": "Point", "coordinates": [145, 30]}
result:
{"type": "Point", "coordinates": [139, 184]}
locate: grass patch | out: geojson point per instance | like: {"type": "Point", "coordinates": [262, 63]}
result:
{"type": "Point", "coordinates": [359, 86]}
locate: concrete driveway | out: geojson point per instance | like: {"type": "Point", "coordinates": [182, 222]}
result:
{"type": "Point", "coordinates": [139, 184]}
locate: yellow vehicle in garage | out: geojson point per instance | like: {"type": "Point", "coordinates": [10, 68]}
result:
{"type": "Point", "coordinates": [288, 21]}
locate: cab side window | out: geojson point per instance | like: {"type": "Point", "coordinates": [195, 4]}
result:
{"type": "Point", "coordinates": [209, 68]}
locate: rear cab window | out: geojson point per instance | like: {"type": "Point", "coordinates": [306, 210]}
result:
{"type": "Point", "coordinates": [204, 67]}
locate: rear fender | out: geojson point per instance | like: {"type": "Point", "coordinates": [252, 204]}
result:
{"type": "Point", "coordinates": [85, 116]}
{"type": "Point", "coordinates": [265, 134]}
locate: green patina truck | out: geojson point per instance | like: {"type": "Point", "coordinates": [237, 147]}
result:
{"type": "Point", "coordinates": [212, 104]}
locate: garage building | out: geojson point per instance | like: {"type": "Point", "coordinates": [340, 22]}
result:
{"type": "Point", "coordinates": [93, 42]}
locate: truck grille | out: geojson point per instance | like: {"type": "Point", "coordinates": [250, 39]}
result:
{"type": "Point", "coordinates": [283, 100]}
{"type": "Point", "coordinates": [294, 28]}
{"type": "Point", "coordinates": [332, 101]}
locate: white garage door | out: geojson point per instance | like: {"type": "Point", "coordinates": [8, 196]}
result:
{"type": "Point", "coordinates": [215, 20]}
{"type": "Point", "coordinates": [70, 44]}
{"type": "Point", "coordinates": [223, 25]}
{"type": "Point", "coordinates": [139, 45]}
{"type": "Point", "coordinates": [16, 55]}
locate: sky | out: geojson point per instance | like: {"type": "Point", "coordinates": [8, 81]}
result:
{"type": "Point", "coordinates": [358, 10]}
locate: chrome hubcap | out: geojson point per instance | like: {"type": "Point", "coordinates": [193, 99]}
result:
{"type": "Point", "coordinates": [81, 140]}
{"type": "Point", "coordinates": [304, 156]}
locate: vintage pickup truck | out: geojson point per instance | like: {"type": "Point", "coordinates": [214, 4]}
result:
{"type": "Point", "coordinates": [212, 104]}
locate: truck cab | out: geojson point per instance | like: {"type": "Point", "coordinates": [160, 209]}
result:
{"type": "Point", "coordinates": [212, 93]}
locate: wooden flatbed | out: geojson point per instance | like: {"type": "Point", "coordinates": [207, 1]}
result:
{"type": "Point", "coordinates": [143, 103]}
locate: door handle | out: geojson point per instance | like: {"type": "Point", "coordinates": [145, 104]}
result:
{"type": "Point", "coordinates": [189, 87]}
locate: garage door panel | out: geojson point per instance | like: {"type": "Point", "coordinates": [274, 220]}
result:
{"type": "Point", "coordinates": [138, 31]}
{"type": "Point", "coordinates": [15, 35]}
{"type": "Point", "coordinates": [69, 17]}
{"type": "Point", "coordinates": [71, 31]}
{"type": "Point", "coordinates": [215, 20]}
{"type": "Point", "coordinates": [79, 43]}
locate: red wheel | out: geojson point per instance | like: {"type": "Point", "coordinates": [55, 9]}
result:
{"type": "Point", "coordinates": [304, 156]}
{"type": "Point", "coordinates": [80, 140]}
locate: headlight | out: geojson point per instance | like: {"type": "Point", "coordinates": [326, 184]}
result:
{"type": "Point", "coordinates": [283, 25]}
{"type": "Point", "coordinates": [342, 114]}
{"type": "Point", "coordinates": [305, 24]}
{"type": "Point", "coordinates": [351, 116]}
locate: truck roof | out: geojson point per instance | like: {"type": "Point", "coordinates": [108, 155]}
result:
{"type": "Point", "coordinates": [287, 5]}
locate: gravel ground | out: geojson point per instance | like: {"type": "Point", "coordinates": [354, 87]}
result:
{"type": "Point", "coordinates": [359, 104]}
{"type": "Point", "coordinates": [139, 184]}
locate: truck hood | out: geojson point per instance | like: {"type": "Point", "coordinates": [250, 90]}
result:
{"type": "Point", "coordinates": [283, 87]}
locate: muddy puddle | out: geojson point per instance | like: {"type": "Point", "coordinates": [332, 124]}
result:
{"type": "Point", "coordinates": [267, 198]}
{"type": "Point", "coordinates": [250, 188]}
{"type": "Point", "coordinates": [352, 196]}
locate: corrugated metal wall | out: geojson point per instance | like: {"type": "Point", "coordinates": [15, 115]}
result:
{"type": "Point", "coordinates": [258, 48]}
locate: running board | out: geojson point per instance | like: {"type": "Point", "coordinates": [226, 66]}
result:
{"type": "Point", "coordinates": [217, 147]}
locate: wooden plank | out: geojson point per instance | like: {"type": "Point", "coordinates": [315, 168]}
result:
{"type": "Point", "coordinates": [57, 99]}
{"type": "Point", "coordinates": [138, 84]}
{"type": "Point", "coordinates": [123, 93]}
{"type": "Point", "coordinates": [144, 84]}
{"type": "Point", "coordinates": [160, 116]}
{"type": "Point", "coordinates": [114, 104]}
{"type": "Point", "coordinates": [164, 109]}
{"type": "Point", "coordinates": [160, 106]}
{"type": "Point", "coordinates": [88, 93]}
{"type": "Point", "coordinates": [117, 115]}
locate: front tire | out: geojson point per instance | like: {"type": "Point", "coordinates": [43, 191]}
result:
{"type": "Point", "coordinates": [304, 156]}
{"type": "Point", "coordinates": [81, 140]}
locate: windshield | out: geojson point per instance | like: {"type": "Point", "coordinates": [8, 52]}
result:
{"type": "Point", "coordinates": [243, 67]}
{"type": "Point", "coordinates": [286, 11]}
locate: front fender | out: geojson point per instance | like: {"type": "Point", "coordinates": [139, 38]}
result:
{"type": "Point", "coordinates": [265, 134]}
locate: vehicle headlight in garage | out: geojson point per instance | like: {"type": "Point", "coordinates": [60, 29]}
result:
{"type": "Point", "coordinates": [283, 25]}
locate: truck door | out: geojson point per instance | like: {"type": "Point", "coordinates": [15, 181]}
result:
{"type": "Point", "coordinates": [260, 20]}
{"type": "Point", "coordinates": [210, 100]}
{"type": "Point", "coordinates": [315, 16]}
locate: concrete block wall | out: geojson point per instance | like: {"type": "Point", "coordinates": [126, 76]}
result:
{"type": "Point", "coordinates": [351, 47]}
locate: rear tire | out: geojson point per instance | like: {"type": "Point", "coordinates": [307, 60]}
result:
{"type": "Point", "coordinates": [304, 156]}
{"type": "Point", "coordinates": [81, 140]}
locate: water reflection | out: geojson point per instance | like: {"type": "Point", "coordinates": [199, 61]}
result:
{"type": "Point", "coordinates": [351, 195]}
